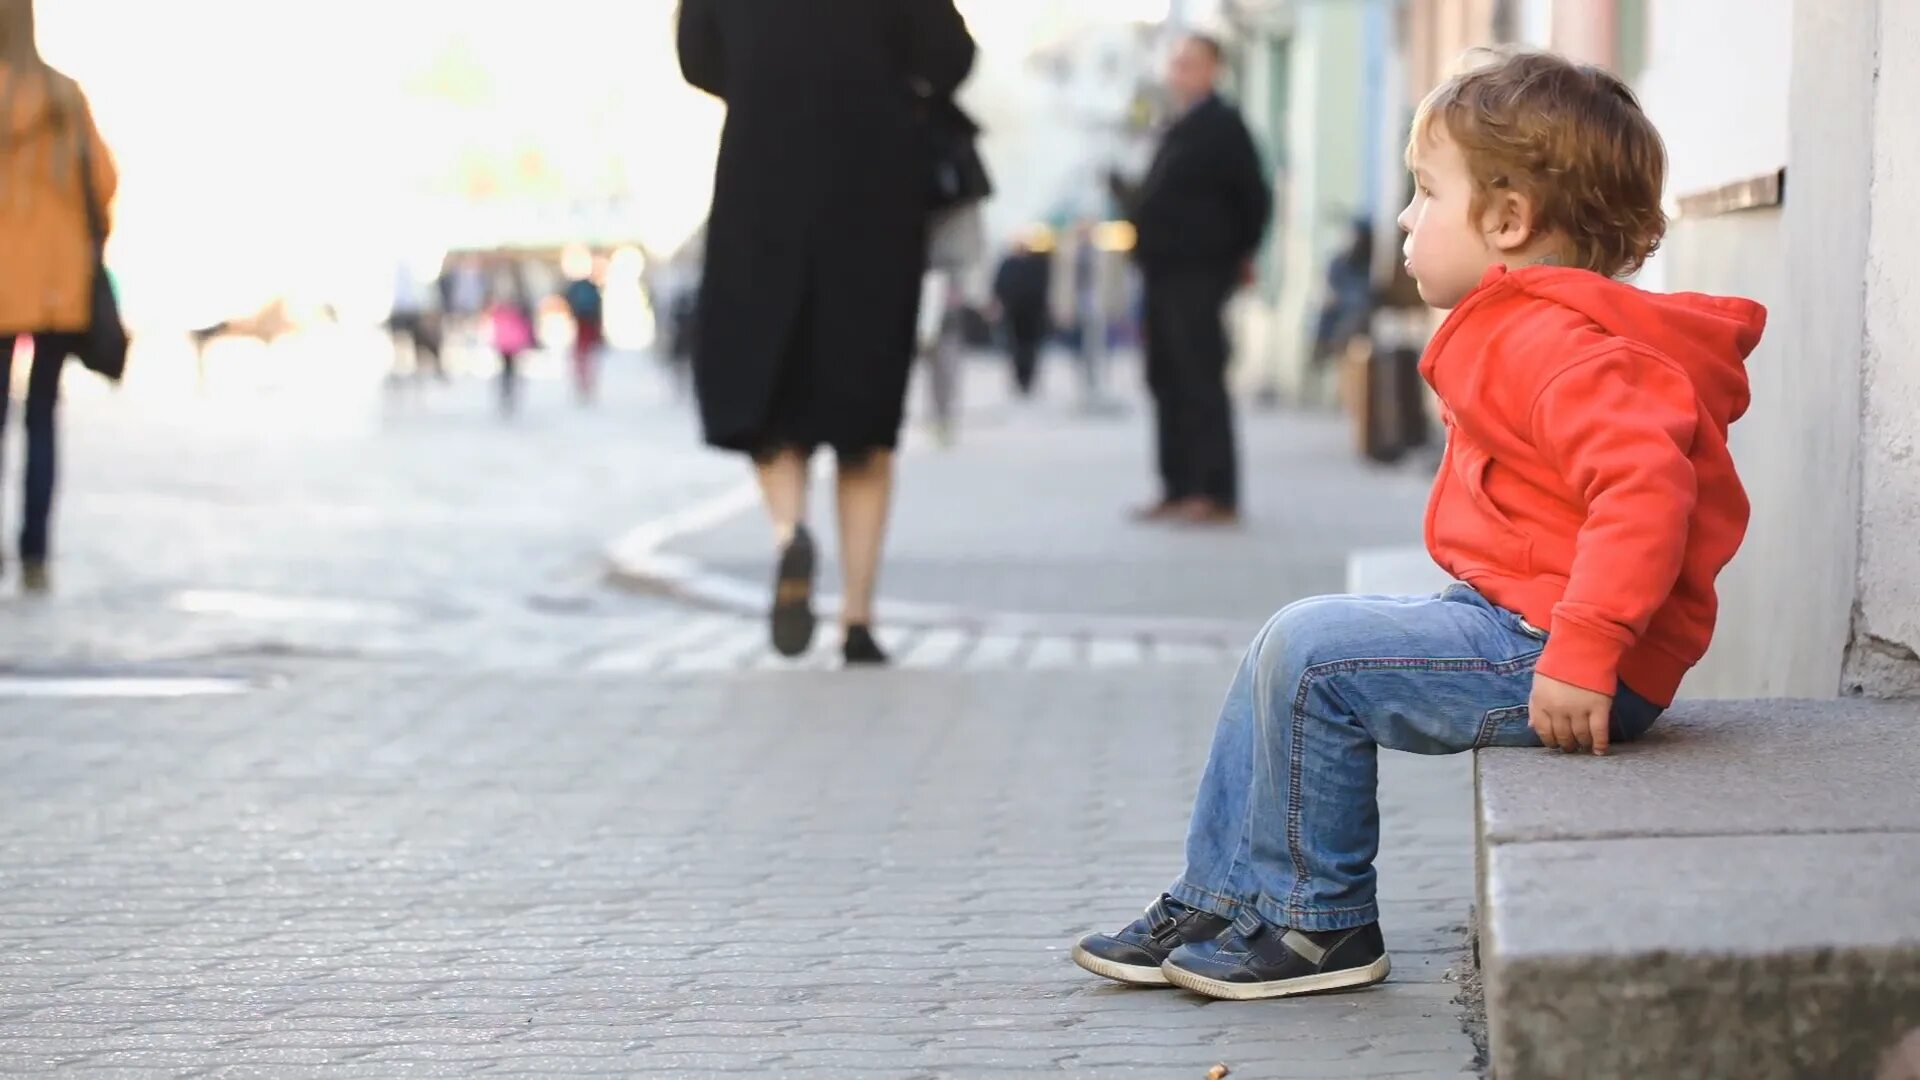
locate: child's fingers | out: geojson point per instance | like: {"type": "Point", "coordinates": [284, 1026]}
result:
{"type": "Point", "coordinates": [1563, 736]}
{"type": "Point", "coordinates": [1583, 731]}
{"type": "Point", "coordinates": [1598, 723]}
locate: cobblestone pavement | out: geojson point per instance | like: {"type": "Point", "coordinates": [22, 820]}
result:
{"type": "Point", "coordinates": [480, 814]}
{"type": "Point", "coordinates": [295, 508]}
{"type": "Point", "coordinates": [382, 873]}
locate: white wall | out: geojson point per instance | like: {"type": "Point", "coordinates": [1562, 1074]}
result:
{"type": "Point", "coordinates": [1715, 83]}
{"type": "Point", "coordinates": [1887, 627]}
{"type": "Point", "coordinates": [1739, 87]}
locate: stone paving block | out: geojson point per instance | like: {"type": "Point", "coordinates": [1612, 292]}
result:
{"type": "Point", "coordinates": [539, 874]}
{"type": "Point", "coordinates": [1764, 969]}
{"type": "Point", "coordinates": [1719, 768]}
{"type": "Point", "coordinates": [1711, 842]}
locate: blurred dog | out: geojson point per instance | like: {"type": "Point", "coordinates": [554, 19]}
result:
{"type": "Point", "coordinates": [266, 325]}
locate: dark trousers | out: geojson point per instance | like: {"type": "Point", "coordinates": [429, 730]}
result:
{"type": "Point", "coordinates": [43, 393]}
{"type": "Point", "coordinates": [1187, 372]}
{"type": "Point", "coordinates": [1025, 332]}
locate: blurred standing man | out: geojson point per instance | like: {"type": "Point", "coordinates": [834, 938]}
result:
{"type": "Point", "coordinates": [1020, 289]}
{"type": "Point", "coordinates": [1200, 215]}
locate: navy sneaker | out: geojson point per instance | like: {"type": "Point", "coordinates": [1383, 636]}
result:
{"type": "Point", "coordinates": [1134, 955]}
{"type": "Point", "coordinates": [1254, 960]}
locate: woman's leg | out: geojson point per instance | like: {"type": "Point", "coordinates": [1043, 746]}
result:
{"type": "Point", "coordinates": [509, 383]}
{"type": "Point", "coordinates": [865, 490]}
{"type": "Point", "coordinates": [8, 343]}
{"type": "Point", "coordinates": [782, 475]}
{"type": "Point", "coordinates": [43, 396]}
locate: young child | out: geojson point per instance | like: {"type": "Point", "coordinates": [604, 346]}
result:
{"type": "Point", "coordinates": [1586, 503]}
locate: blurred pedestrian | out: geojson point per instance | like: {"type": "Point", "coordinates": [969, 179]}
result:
{"type": "Point", "coordinates": [1020, 289]}
{"type": "Point", "coordinates": [466, 287]}
{"type": "Point", "coordinates": [1199, 216]}
{"type": "Point", "coordinates": [956, 246]}
{"type": "Point", "coordinates": [52, 161]}
{"type": "Point", "coordinates": [815, 249]}
{"type": "Point", "coordinates": [587, 307]}
{"type": "Point", "coordinates": [413, 324]}
{"type": "Point", "coordinates": [510, 318]}
{"type": "Point", "coordinates": [1349, 300]}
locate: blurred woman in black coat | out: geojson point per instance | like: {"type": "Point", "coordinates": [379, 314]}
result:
{"type": "Point", "coordinates": [815, 248]}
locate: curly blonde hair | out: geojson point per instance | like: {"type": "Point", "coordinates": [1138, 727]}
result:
{"type": "Point", "coordinates": [1570, 138]}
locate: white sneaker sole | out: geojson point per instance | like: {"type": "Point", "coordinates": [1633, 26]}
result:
{"type": "Point", "coordinates": [1126, 973]}
{"type": "Point", "coordinates": [1306, 984]}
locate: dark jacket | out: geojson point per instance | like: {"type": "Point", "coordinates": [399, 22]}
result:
{"type": "Point", "coordinates": [1205, 201]}
{"type": "Point", "coordinates": [817, 239]}
{"type": "Point", "coordinates": [1021, 285]}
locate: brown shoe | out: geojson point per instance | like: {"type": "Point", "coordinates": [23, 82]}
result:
{"type": "Point", "coordinates": [1160, 511]}
{"type": "Point", "coordinates": [1206, 512]}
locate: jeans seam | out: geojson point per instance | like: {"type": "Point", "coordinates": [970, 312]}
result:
{"type": "Point", "coordinates": [1245, 840]}
{"type": "Point", "coordinates": [1210, 894]}
{"type": "Point", "coordinates": [1302, 875]}
{"type": "Point", "coordinates": [1296, 909]}
{"type": "Point", "coordinates": [1491, 723]}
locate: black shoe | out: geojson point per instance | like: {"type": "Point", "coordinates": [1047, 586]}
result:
{"type": "Point", "coordinates": [861, 649]}
{"type": "Point", "coordinates": [792, 616]}
{"type": "Point", "coordinates": [1134, 955]}
{"type": "Point", "coordinates": [1254, 960]}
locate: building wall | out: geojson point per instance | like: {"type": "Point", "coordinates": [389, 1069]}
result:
{"type": "Point", "coordinates": [1320, 190]}
{"type": "Point", "coordinates": [1789, 595]}
{"type": "Point", "coordinates": [1782, 629]}
{"type": "Point", "coordinates": [1881, 657]}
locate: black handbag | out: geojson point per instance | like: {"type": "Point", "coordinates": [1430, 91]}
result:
{"type": "Point", "coordinates": [959, 173]}
{"type": "Point", "coordinates": [102, 347]}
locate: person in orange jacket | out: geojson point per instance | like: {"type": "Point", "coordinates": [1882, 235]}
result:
{"type": "Point", "coordinates": [47, 139]}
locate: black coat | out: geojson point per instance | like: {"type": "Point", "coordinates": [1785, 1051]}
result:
{"type": "Point", "coordinates": [817, 239]}
{"type": "Point", "coordinates": [1205, 201]}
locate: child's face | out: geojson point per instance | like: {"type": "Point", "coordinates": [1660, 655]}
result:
{"type": "Point", "coordinates": [1447, 250]}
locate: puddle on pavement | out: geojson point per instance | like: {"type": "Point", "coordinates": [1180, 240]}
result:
{"type": "Point", "coordinates": [119, 686]}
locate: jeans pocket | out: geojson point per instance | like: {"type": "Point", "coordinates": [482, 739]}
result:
{"type": "Point", "coordinates": [1506, 727]}
{"type": "Point", "coordinates": [1520, 624]}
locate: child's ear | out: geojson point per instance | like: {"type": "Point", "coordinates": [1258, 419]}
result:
{"type": "Point", "coordinates": [1509, 221]}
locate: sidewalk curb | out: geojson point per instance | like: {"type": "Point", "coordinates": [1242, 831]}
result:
{"type": "Point", "coordinates": [637, 561]}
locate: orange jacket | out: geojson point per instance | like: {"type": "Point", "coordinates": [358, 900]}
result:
{"type": "Point", "coordinates": [46, 258]}
{"type": "Point", "coordinates": [1587, 483]}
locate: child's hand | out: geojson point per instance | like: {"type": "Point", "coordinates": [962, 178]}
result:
{"type": "Point", "coordinates": [1568, 717]}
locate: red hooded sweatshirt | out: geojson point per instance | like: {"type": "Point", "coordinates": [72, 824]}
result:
{"type": "Point", "coordinates": [1587, 483]}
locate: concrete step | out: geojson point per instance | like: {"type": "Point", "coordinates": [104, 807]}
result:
{"type": "Point", "coordinates": [1736, 895]}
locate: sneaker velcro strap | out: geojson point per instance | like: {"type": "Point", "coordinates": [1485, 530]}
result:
{"type": "Point", "coordinates": [1305, 947]}
{"type": "Point", "coordinates": [1162, 924]}
{"type": "Point", "coordinates": [1247, 924]}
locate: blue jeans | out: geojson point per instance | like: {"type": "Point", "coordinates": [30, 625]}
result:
{"type": "Point", "coordinates": [43, 394]}
{"type": "Point", "coordinates": [1287, 821]}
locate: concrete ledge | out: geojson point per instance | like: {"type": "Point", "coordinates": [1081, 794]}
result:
{"type": "Point", "coordinates": [1736, 895]}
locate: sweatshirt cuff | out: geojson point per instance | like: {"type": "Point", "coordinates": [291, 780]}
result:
{"type": "Point", "coordinates": [1582, 656]}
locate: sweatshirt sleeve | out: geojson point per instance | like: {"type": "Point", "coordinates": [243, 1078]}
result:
{"type": "Point", "coordinates": [1619, 427]}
